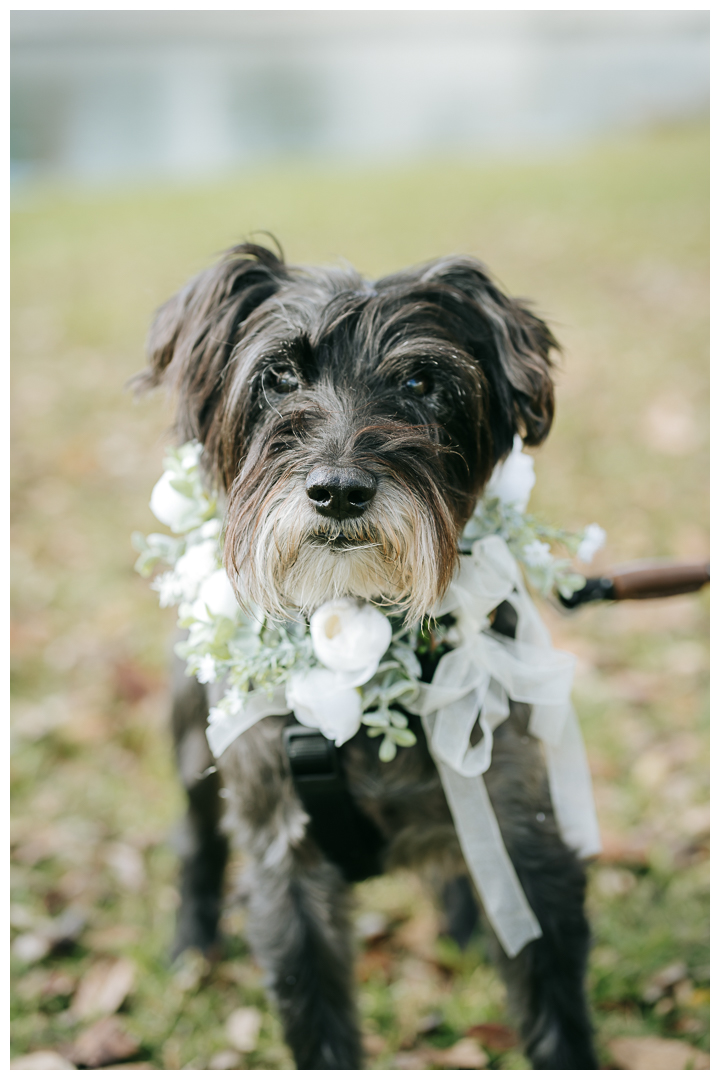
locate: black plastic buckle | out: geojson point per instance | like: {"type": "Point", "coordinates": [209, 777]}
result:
{"type": "Point", "coordinates": [313, 761]}
{"type": "Point", "coordinates": [594, 589]}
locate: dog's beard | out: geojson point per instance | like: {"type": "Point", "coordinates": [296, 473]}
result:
{"type": "Point", "coordinates": [396, 554]}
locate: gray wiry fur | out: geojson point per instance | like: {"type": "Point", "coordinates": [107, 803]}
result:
{"type": "Point", "coordinates": [418, 383]}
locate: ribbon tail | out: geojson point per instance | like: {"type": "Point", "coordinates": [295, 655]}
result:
{"type": "Point", "coordinates": [571, 789]}
{"type": "Point", "coordinates": [487, 859]}
{"type": "Point", "coordinates": [225, 729]}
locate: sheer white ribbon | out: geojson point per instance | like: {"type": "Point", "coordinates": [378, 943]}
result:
{"type": "Point", "coordinates": [475, 682]}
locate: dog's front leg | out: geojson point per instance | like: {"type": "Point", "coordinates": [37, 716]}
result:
{"type": "Point", "coordinates": [298, 924]}
{"type": "Point", "coordinates": [546, 980]}
{"type": "Point", "coordinates": [204, 847]}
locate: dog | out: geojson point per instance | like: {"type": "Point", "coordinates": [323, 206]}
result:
{"type": "Point", "coordinates": [351, 426]}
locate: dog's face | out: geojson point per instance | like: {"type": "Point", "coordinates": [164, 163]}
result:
{"type": "Point", "coordinates": [352, 425]}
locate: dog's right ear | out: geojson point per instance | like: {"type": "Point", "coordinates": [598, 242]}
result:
{"type": "Point", "coordinates": [193, 335]}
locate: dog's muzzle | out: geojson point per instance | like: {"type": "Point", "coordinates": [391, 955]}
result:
{"type": "Point", "coordinates": [340, 492]}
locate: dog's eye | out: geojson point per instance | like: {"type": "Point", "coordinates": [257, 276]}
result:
{"type": "Point", "coordinates": [282, 381]}
{"type": "Point", "coordinates": [419, 385]}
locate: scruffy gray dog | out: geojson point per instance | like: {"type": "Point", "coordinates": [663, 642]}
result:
{"type": "Point", "coordinates": [352, 426]}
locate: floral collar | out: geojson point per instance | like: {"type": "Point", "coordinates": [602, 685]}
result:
{"type": "Point", "coordinates": [350, 665]}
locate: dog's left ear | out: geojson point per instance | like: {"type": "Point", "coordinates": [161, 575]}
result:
{"type": "Point", "coordinates": [513, 347]}
{"type": "Point", "coordinates": [193, 335]}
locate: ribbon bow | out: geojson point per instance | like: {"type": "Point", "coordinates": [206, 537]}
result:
{"type": "Point", "coordinates": [475, 683]}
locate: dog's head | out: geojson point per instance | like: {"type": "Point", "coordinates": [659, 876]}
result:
{"type": "Point", "coordinates": [352, 424]}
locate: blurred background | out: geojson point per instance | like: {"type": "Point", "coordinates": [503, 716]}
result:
{"type": "Point", "coordinates": [568, 151]}
{"type": "Point", "coordinates": [127, 94]}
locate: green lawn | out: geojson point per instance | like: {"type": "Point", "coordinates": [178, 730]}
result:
{"type": "Point", "coordinates": [611, 243]}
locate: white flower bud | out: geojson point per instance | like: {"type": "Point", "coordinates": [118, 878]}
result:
{"type": "Point", "coordinates": [537, 554]}
{"type": "Point", "coordinates": [593, 540]}
{"type": "Point", "coordinates": [513, 479]}
{"type": "Point", "coordinates": [190, 454]}
{"type": "Point", "coordinates": [172, 508]}
{"type": "Point", "coordinates": [216, 597]}
{"type": "Point", "coordinates": [324, 699]}
{"type": "Point", "coordinates": [197, 564]}
{"type": "Point", "coordinates": [350, 636]}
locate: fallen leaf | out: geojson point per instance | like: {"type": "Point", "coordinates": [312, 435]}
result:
{"type": "Point", "coordinates": [651, 769]}
{"type": "Point", "coordinates": [494, 1037]}
{"type": "Point", "coordinates": [689, 1025]}
{"type": "Point", "coordinates": [372, 926]}
{"type": "Point", "coordinates": [695, 821]}
{"type": "Point", "coordinates": [651, 1052]}
{"type": "Point", "coordinates": [132, 684]}
{"type": "Point", "coordinates": [171, 1060]}
{"type": "Point", "coordinates": [373, 962]}
{"type": "Point", "coordinates": [626, 849]}
{"type": "Point", "coordinates": [238, 973]}
{"type": "Point", "coordinates": [638, 687]}
{"type": "Point", "coordinates": [30, 948]}
{"type": "Point", "coordinates": [664, 980]}
{"type": "Point", "coordinates": [191, 968]}
{"type": "Point", "coordinates": [127, 864]}
{"type": "Point", "coordinates": [373, 1044]}
{"type": "Point", "coordinates": [41, 983]}
{"type": "Point", "coordinates": [112, 937]}
{"type": "Point", "coordinates": [67, 928]}
{"type": "Point", "coordinates": [21, 917]}
{"type": "Point", "coordinates": [412, 1059]}
{"type": "Point", "coordinates": [225, 1059]}
{"type": "Point", "coordinates": [41, 1059]}
{"type": "Point", "coordinates": [103, 988]}
{"type": "Point", "coordinates": [242, 1028]}
{"type": "Point", "coordinates": [430, 1022]}
{"type": "Point", "coordinates": [73, 840]}
{"type": "Point", "coordinates": [106, 1042]}
{"type": "Point", "coordinates": [419, 935]}
{"type": "Point", "coordinates": [612, 881]}
{"type": "Point", "coordinates": [465, 1054]}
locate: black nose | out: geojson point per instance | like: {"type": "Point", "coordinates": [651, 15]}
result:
{"type": "Point", "coordinates": [339, 492]}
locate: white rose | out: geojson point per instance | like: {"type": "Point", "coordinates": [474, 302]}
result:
{"type": "Point", "coordinates": [513, 479]}
{"type": "Point", "coordinates": [190, 454]}
{"type": "Point", "coordinates": [172, 508]}
{"type": "Point", "coordinates": [217, 597]}
{"type": "Point", "coordinates": [325, 699]}
{"type": "Point", "coordinates": [351, 637]}
{"type": "Point", "coordinates": [537, 554]}
{"type": "Point", "coordinates": [593, 539]}
{"type": "Point", "coordinates": [197, 564]}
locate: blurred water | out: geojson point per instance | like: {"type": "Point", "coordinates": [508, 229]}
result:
{"type": "Point", "coordinates": [119, 94]}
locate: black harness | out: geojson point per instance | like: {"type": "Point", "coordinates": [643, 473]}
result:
{"type": "Point", "coordinates": [341, 830]}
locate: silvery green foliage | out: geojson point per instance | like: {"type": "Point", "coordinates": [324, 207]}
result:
{"type": "Point", "coordinates": [530, 542]}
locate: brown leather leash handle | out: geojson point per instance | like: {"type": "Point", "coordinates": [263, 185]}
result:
{"type": "Point", "coordinates": [642, 581]}
{"type": "Point", "coordinates": [649, 582]}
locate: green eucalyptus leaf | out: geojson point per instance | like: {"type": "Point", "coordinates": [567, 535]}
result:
{"type": "Point", "coordinates": [402, 738]}
{"type": "Point", "coordinates": [387, 750]}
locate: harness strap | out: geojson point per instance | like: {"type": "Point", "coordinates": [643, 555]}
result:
{"type": "Point", "coordinates": [337, 824]}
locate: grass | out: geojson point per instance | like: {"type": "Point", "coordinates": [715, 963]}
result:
{"type": "Point", "coordinates": [611, 243]}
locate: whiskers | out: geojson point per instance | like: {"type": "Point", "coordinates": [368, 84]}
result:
{"type": "Point", "coordinates": [288, 558]}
